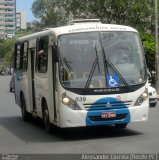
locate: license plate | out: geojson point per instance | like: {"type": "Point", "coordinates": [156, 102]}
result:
{"type": "Point", "coordinates": [108, 115]}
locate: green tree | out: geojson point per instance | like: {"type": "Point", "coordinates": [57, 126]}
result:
{"type": "Point", "coordinates": [2, 48]}
{"type": "Point", "coordinates": [51, 12]}
{"type": "Point", "coordinates": [149, 43]}
{"type": "Point", "coordinates": [9, 49]}
{"type": "Point", "coordinates": [136, 13]}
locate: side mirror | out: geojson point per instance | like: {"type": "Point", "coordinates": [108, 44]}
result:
{"type": "Point", "coordinates": [54, 53]}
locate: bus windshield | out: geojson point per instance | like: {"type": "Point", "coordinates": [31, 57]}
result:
{"type": "Point", "coordinates": [101, 59]}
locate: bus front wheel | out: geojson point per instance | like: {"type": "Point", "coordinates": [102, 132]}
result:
{"type": "Point", "coordinates": [46, 119]}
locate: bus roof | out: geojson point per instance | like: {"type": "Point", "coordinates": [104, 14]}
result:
{"type": "Point", "coordinates": [76, 28]}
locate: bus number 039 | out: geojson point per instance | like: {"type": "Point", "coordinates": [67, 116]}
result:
{"type": "Point", "coordinates": [80, 99]}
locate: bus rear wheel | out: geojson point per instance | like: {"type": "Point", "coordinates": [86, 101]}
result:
{"type": "Point", "coordinates": [25, 114]}
{"type": "Point", "coordinates": [124, 125]}
{"type": "Point", "coordinates": [46, 119]}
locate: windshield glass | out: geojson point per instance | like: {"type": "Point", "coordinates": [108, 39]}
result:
{"type": "Point", "coordinates": [101, 60]}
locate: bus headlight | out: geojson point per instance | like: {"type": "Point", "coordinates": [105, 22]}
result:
{"type": "Point", "coordinates": [70, 102]}
{"type": "Point", "coordinates": [142, 98]}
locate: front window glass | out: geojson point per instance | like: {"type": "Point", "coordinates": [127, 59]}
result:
{"type": "Point", "coordinates": [101, 60]}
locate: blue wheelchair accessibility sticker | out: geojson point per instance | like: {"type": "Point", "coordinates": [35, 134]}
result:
{"type": "Point", "coordinates": [113, 80]}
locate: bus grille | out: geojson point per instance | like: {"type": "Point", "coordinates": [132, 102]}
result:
{"type": "Point", "coordinates": [118, 117]}
{"type": "Point", "coordinates": [106, 106]}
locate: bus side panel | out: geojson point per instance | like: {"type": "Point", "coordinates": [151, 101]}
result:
{"type": "Point", "coordinates": [17, 75]}
{"type": "Point", "coordinates": [21, 87]}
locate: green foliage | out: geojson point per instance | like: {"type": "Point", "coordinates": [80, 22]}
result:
{"type": "Point", "coordinates": [149, 43]}
{"type": "Point", "coordinates": [139, 14]}
{"type": "Point", "coordinates": [6, 48]}
{"type": "Point", "coordinates": [9, 49]}
{"type": "Point", "coordinates": [51, 12]}
{"type": "Point", "coordinates": [2, 52]}
{"type": "Point", "coordinates": [136, 13]}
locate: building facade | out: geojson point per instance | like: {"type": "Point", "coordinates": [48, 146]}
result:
{"type": "Point", "coordinates": [7, 18]}
{"type": "Point", "coordinates": [21, 20]}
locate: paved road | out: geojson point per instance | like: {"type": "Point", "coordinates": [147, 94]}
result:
{"type": "Point", "coordinates": [17, 136]}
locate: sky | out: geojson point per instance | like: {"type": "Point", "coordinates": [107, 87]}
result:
{"type": "Point", "coordinates": [25, 5]}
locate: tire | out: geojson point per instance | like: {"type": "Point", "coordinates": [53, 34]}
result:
{"type": "Point", "coordinates": [124, 125]}
{"type": "Point", "coordinates": [153, 104]}
{"type": "Point", "coordinates": [46, 119]}
{"type": "Point", "coordinates": [25, 114]}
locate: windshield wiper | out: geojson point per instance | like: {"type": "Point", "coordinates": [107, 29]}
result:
{"type": "Point", "coordinates": [93, 69]}
{"type": "Point", "coordinates": [117, 72]}
{"type": "Point", "coordinates": [67, 64]}
{"type": "Point", "coordinates": [98, 58]}
{"type": "Point", "coordinates": [91, 72]}
{"type": "Point", "coordinates": [110, 65]}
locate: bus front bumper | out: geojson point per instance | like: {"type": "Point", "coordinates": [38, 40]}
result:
{"type": "Point", "coordinates": [81, 118]}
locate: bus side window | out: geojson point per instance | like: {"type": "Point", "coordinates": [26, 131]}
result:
{"type": "Point", "coordinates": [42, 55]}
{"type": "Point", "coordinates": [17, 56]}
{"type": "Point", "coordinates": [24, 56]}
{"type": "Point", "coordinates": [21, 56]}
